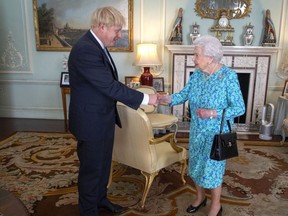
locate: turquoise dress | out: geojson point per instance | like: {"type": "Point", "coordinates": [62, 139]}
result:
{"type": "Point", "coordinates": [217, 91]}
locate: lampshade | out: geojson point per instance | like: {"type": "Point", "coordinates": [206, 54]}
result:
{"type": "Point", "coordinates": [147, 55]}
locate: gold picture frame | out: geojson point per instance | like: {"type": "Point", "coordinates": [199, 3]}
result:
{"type": "Point", "coordinates": [212, 9]}
{"type": "Point", "coordinates": [132, 81]}
{"type": "Point", "coordinates": [59, 34]}
{"type": "Point", "coordinates": [158, 84]}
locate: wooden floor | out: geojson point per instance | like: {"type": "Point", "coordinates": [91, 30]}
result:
{"type": "Point", "coordinates": [8, 126]}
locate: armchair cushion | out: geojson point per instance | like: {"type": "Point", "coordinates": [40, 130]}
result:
{"type": "Point", "coordinates": [159, 120]}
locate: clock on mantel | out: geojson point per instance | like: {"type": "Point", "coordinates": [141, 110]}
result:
{"type": "Point", "coordinates": [223, 30]}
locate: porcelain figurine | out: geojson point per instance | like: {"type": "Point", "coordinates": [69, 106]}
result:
{"type": "Point", "coordinates": [269, 38]}
{"type": "Point", "coordinates": [176, 36]}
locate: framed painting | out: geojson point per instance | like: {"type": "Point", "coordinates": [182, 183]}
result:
{"type": "Point", "coordinates": [59, 24]}
{"type": "Point", "coordinates": [64, 80]}
{"type": "Point", "coordinates": [158, 84]}
{"type": "Point", "coordinates": [132, 81]}
{"type": "Point", "coordinates": [285, 89]}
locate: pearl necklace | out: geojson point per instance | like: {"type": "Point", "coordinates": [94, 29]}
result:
{"type": "Point", "coordinates": [207, 76]}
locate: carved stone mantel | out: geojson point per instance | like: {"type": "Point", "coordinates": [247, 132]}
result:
{"type": "Point", "coordinates": [253, 60]}
{"type": "Point", "coordinates": [227, 49]}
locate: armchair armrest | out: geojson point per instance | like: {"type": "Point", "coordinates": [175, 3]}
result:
{"type": "Point", "coordinates": [167, 137]}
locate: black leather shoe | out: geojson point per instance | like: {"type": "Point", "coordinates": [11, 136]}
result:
{"type": "Point", "coordinates": [109, 206]}
{"type": "Point", "coordinates": [192, 209]}
{"type": "Point", "coordinates": [220, 212]}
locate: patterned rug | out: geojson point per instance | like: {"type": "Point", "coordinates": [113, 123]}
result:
{"type": "Point", "coordinates": [41, 170]}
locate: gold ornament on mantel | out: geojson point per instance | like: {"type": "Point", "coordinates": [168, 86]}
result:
{"type": "Point", "coordinates": [212, 8]}
{"type": "Point", "coordinates": [223, 30]}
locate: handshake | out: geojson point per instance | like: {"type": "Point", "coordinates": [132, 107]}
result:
{"type": "Point", "coordinates": [155, 99]}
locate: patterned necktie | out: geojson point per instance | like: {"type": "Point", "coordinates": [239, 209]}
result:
{"type": "Point", "coordinates": [106, 53]}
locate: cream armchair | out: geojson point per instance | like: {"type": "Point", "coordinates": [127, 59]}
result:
{"type": "Point", "coordinates": [136, 147]}
{"type": "Point", "coordinates": [158, 120]}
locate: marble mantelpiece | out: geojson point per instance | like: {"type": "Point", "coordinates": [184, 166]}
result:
{"type": "Point", "coordinates": [253, 60]}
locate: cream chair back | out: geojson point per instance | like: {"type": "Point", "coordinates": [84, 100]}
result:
{"type": "Point", "coordinates": [131, 145]}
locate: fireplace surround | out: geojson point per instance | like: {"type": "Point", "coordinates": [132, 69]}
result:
{"type": "Point", "coordinates": [252, 64]}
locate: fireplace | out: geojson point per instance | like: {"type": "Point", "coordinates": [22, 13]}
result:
{"type": "Point", "coordinates": [252, 65]}
{"type": "Point", "coordinates": [244, 78]}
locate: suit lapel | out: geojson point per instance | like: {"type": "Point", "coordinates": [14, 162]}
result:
{"type": "Point", "coordinates": [112, 64]}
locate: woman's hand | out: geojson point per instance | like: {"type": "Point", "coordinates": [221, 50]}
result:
{"type": "Point", "coordinates": [206, 113]}
{"type": "Point", "coordinates": [164, 99]}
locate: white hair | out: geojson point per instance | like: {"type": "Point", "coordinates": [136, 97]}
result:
{"type": "Point", "coordinates": [210, 46]}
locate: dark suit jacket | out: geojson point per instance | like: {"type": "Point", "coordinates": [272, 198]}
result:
{"type": "Point", "coordinates": [95, 89]}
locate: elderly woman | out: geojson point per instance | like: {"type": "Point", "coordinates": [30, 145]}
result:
{"type": "Point", "coordinates": [211, 88]}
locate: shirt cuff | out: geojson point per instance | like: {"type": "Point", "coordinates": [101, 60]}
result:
{"type": "Point", "coordinates": [145, 100]}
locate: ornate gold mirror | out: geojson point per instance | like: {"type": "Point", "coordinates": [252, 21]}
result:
{"type": "Point", "coordinates": [212, 9]}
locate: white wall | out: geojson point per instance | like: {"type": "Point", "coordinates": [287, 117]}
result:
{"type": "Point", "coordinates": [33, 92]}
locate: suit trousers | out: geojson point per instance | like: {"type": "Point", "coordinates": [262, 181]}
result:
{"type": "Point", "coordinates": [95, 163]}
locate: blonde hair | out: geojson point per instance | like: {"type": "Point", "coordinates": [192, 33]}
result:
{"type": "Point", "coordinates": [108, 16]}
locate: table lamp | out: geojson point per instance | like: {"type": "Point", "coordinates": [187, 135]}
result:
{"type": "Point", "coordinates": [147, 57]}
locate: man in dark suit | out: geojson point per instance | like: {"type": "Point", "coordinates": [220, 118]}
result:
{"type": "Point", "coordinates": [95, 89]}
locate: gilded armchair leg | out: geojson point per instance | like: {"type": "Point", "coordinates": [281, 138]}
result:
{"type": "Point", "coordinates": [175, 132]}
{"type": "Point", "coordinates": [183, 170]}
{"type": "Point", "coordinates": [148, 182]}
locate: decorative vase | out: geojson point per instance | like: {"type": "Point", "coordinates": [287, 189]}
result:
{"type": "Point", "coordinates": [195, 33]}
{"type": "Point", "coordinates": [146, 77]}
{"type": "Point", "coordinates": [248, 36]}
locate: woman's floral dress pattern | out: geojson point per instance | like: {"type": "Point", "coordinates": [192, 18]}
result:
{"type": "Point", "coordinates": [217, 91]}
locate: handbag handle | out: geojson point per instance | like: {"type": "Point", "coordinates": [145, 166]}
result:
{"type": "Point", "coordinates": [222, 123]}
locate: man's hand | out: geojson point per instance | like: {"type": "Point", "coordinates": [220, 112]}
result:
{"type": "Point", "coordinates": [164, 99]}
{"type": "Point", "coordinates": [153, 99]}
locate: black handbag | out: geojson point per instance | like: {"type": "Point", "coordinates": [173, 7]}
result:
{"type": "Point", "coordinates": [224, 144]}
